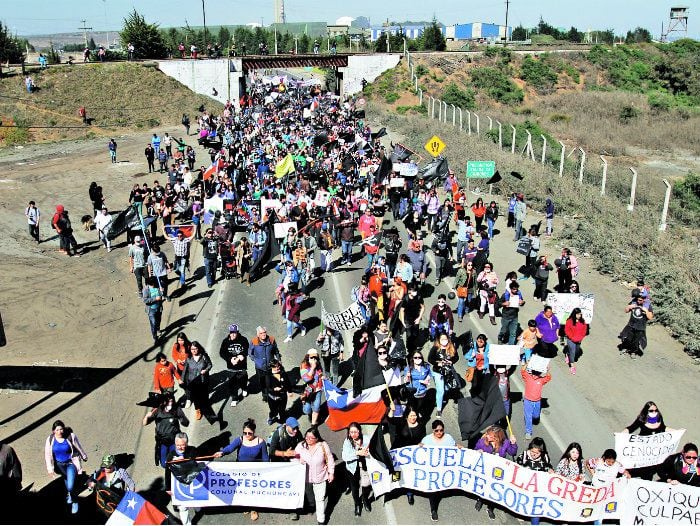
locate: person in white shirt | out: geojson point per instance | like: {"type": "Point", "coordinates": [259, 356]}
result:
{"type": "Point", "coordinates": [102, 221]}
{"type": "Point", "coordinates": [33, 218]}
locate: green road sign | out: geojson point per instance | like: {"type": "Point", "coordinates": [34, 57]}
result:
{"type": "Point", "coordinates": [480, 169]}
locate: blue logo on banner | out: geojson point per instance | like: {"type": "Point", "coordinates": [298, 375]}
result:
{"type": "Point", "coordinates": [198, 489]}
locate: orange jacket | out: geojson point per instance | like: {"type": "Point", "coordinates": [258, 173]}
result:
{"type": "Point", "coordinates": [164, 376]}
{"type": "Point", "coordinates": [179, 356]}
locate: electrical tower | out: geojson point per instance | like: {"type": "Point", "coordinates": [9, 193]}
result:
{"type": "Point", "coordinates": [677, 23]}
{"type": "Point", "coordinates": [280, 17]}
{"type": "Point", "coordinates": [85, 30]}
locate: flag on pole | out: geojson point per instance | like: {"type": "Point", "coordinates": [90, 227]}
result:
{"type": "Point", "coordinates": [344, 409]}
{"type": "Point", "coordinates": [172, 230]}
{"type": "Point", "coordinates": [285, 166]}
{"type": "Point", "coordinates": [134, 509]}
{"type": "Point", "coordinates": [215, 167]}
{"type": "Point", "coordinates": [481, 410]}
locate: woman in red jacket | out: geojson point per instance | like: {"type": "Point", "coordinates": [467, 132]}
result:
{"type": "Point", "coordinates": [576, 330]}
{"type": "Point", "coordinates": [479, 211]}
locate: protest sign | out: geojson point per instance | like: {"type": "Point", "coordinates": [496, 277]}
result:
{"type": "Point", "coordinates": [396, 182]}
{"type": "Point", "coordinates": [648, 502]}
{"type": "Point", "coordinates": [281, 229]}
{"type": "Point", "coordinates": [522, 491]}
{"type": "Point", "coordinates": [321, 198]}
{"type": "Point", "coordinates": [563, 304]}
{"type": "Point", "coordinates": [504, 354]}
{"type": "Point", "coordinates": [274, 204]}
{"type": "Point", "coordinates": [408, 169]}
{"type": "Point", "coordinates": [538, 363]}
{"type": "Point", "coordinates": [638, 451]}
{"type": "Point", "coordinates": [251, 484]}
{"type": "Point", "coordinates": [346, 320]}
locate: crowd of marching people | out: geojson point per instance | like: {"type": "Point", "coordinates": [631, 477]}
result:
{"type": "Point", "coordinates": [291, 153]}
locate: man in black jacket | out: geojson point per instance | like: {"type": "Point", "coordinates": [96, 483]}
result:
{"type": "Point", "coordinates": [234, 351]}
{"type": "Point", "coordinates": [182, 451]}
{"type": "Point", "coordinates": [282, 443]}
{"type": "Point", "coordinates": [210, 252]}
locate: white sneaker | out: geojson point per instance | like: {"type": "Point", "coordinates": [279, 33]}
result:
{"type": "Point", "coordinates": [244, 393]}
{"type": "Point", "coordinates": [188, 404]}
{"type": "Point", "coordinates": [303, 331]}
{"type": "Point", "coordinates": [234, 403]}
{"type": "Point", "coordinates": [288, 339]}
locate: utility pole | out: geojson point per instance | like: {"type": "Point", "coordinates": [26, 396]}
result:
{"type": "Point", "coordinates": [505, 42]}
{"type": "Point", "coordinates": [204, 19]}
{"type": "Point", "coordinates": [85, 30]}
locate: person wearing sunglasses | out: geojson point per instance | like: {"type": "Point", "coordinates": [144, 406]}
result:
{"type": "Point", "coordinates": [683, 467]}
{"type": "Point", "coordinates": [438, 438]}
{"type": "Point", "coordinates": [417, 375]}
{"type": "Point", "coordinates": [311, 373]}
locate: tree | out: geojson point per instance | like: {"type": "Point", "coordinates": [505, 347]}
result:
{"type": "Point", "coordinates": [146, 38]}
{"type": "Point", "coordinates": [638, 36]}
{"type": "Point", "coordinates": [224, 36]}
{"type": "Point", "coordinates": [460, 98]}
{"type": "Point", "coordinates": [574, 35]}
{"type": "Point", "coordinates": [519, 33]}
{"type": "Point", "coordinates": [10, 47]}
{"type": "Point", "coordinates": [433, 39]}
{"type": "Point", "coordinates": [91, 44]}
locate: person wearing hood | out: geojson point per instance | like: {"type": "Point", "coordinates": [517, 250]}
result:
{"type": "Point", "coordinates": [61, 224]}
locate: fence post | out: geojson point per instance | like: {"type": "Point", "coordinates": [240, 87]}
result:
{"type": "Point", "coordinates": [405, 51]}
{"type": "Point", "coordinates": [490, 123]}
{"type": "Point", "coordinates": [420, 95]}
{"type": "Point", "coordinates": [500, 135]}
{"type": "Point", "coordinates": [469, 122]}
{"type": "Point", "coordinates": [416, 82]}
{"type": "Point", "coordinates": [633, 191]}
{"type": "Point", "coordinates": [544, 148]}
{"type": "Point", "coordinates": [583, 162]}
{"type": "Point", "coordinates": [439, 102]}
{"type": "Point", "coordinates": [664, 213]}
{"type": "Point", "coordinates": [605, 175]}
{"type": "Point", "coordinates": [432, 107]}
{"type": "Point", "coordinates": [454, 115]}
{"type": "Point", "coordinates": [460, 119]}
{"type": "Point", "coordinates": [512, 144]}
{"type": "Point", "coordinates": [444, 112]}
{"type": "Point", "coordinates": [563, 158]}
{"type": "Point", "coordinates": [478, 131]}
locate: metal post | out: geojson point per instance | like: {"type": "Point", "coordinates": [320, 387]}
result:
{"type": "Point", "coordinates": [512, 144]}
{"type": "Point", "coordinates": [633, 191]}
{"type": "Point", "coordinates": [490, 123]}
{"type": "Point", "coordinates": [460, 119]}
{"type": "Point", "coordinates": [454, 115]}
{"type": "Point", "coordinates": [544, 144]}
{"type": "Point", "coordinates": [561, 162]}
{"type": "Point", "coordinates": [583, 162]}
{"type": "Point", "coordinates": [500, 135]}
{"type": "Point", "coordinates": [605, 175]}
{"type": "Point", "coordinates": [469, 122]}
{"type": "Point", "coordinates": [432, 108]}
{"type": "Point", "coordinates": [439, 110]}
{"type": "Point", "coordinates": [478, 131]}
{"type": "Point", "coordinates": [416, 83]}
{"type": "Point", "coordinates": [444, 112]}
{"type": "Point", "coordinates": [664, 213]}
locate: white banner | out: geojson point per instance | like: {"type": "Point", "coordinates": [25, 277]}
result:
{"type": "Point", "coordinates": [281, 229]}
{"type": "Point", "coordinates": [322, 198]}
{"type": "Point", "coordinates": [563, 304]}
{"type": "Point", "coordinates": [408, 169]}
{"type": "Point", "coordinates": [396, 182]}
{"type": "Point", "coordinates": [638, 451]}
{"type": "Point", "coordinates": [660, 503]}
{"type": "Point", "coordinates": [522, 491]}
{"type": "Point", "coordinates": [256, 485]}
{"type": "Point", "coordinates": [348, 320]}
{"type": "Point", "coordinates": [504, 354]}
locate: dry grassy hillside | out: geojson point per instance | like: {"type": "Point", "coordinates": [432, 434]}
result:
{"type": "Point", "coordinates": [119, 97]}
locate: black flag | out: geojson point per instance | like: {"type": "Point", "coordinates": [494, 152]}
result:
{"type": "Point", "coordinates": [380, 452]}
{"type": "Point", "coordinates": [384, 170]}
{"type": "Point", "coordinates": [517, 175]}
{"type": "Point", "coordinates": [380, 133]}
{"type": "Point", "coordinates": [495, 178]}
{"type": "Point", "coordinates": [481, 410]}
{"type": "Point", "coordinates": [187, 470]}
{"type": "Point", "coordinates": [369, 372]}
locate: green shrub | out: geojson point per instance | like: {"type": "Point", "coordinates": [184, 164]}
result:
{"type": "Point", "coordinates": [436, 78]}
{"type": "Point", "coordinates": [571, 71]}
{"type": "Point", "coordinates": [559, 117]}
{"type": "Point", "coordinates": [402, 110]}
{"type": "Point", "coordinates": [627, 113]}
{"type": "Point", "coordinates": [538, 74]}
{"type": "Point", "coordinates": [459, 97]}
{"type": "Point", "coordinates": [660, 101]}
{"type": "Point", "coordinates": [17, 135]}
{"type": "Point", "coordinates": [421, 70]}
{"type": "Point", "coordinates": [390, 98]}
{"type": "Point", "coordinates": [497, 85]}
{"type": "Point", "coordinates": [405, 85]}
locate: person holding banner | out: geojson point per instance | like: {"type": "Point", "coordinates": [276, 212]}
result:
{"type": "Point", "coordinates": [181, 452]}
{"type": "Point", "coordinates": [409, 432]}
{"type": "Point", "coordinates": [536, 458]}
{"type": "Point", "coordinates": [682, 468]}
{"type": "Point", "coordinates": [494, 442]}
{"type": "Point", "coordinates": [315, 453]}
{"type": "Point", "coordinates": [649, 421]}
{"type": "Point", "coordinates": [355, 453]}
{"type": "Point", "coordinates": [437, 438]}
{"type": "Point", "coordinates": [576, 330]}
{"type": "Point", "coordinates": [571, 463]}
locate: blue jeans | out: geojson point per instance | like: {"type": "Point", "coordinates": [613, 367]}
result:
{"type": "Point", "coordinates": [532, 412]}
{"type": "Point", "coordinates": [68, 472]}
{"type": "Point", "coordinates": [346, 247]}
{"type": "Point", "coordinates": [439, 389]}
{"type": "Point", "coordinates": [312, 404]}
{"type": "Point", "coordinates": [370, 260]}
{"type": "Point", "coordinates": [490, 223]}
{"type": "Point", "coordinates": [518, 229]}
{"type": "Point", "coordinates": [572, 350]}
{"type": "Point", "coordinates": [209, 271]}
{"type": "Point", "coordinates": [291, 325]}
{"type": "Point", "coordinates": [154, 319]}
{"type": "Point", "coordinates": [326, 260]}
{"type": "Point", "coordinates": [463, 305]}
{"type": "Point", "coordinates": [439, 328]}
{"type": "Point", "coordinates": [180, 262]}
{"type": "Point", "coordinates": [509, 328]}
{"type": "Point", "coordinates": [164, 450]}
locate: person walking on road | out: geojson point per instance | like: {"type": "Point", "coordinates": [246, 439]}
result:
{"type": "Point", "coordinates": [234, 351]}
{"type": "Point", "coordinates": [278, 388]}
{"type": "Point", "coordinates": [158, 267]}
{"type": "Point", "coordinates": [112, 147]}
{"type": "Point", "coordinates": [10, 471]}
{"type": "Point", "coordinates": [150, 155]}
{"type": "Point", "coordinates": [182, 452]}
{"type": "Point", "coordinates": [315, 453]}
{"type": "Point", "coordinates": [153, 297]}
{"type": "Point", "coordinates": [33, 215]}
{"type": "Point", "coordinates": [137, 263]}
{"type": "Point", "coordinates": [63, 453]}
{"type": "Point", "coordinates": [532, 396]}
{"type": "Point", "coordinates": [633, 338]}
{"type": "Point", "coordinates": [181, 248]}
{"type": "Point", "coordinates": [536, 458]}
{"type": "Point", "coordinates": [102, 222]}
{"type": "Point", "coordinates": [110, 484]}
{"type": "Point", "coordinates": [355, 453]}
{"type": "Point", "coordinates": [195, 379]}
{"type": "Point", "coordinates": [263, 349]}
{"type": "Point", "coordinates": [312, 376]}
{"type": "Point", "coordinates": [575, 329]}
{"type": "Point", "coordinates": [210, 254]}
{"type": "Point", "coordinates": [168, 418]}
{"type": "Point", "coordinates": [511, 301]}
{"type": "Point", "coordinates": [494, 442]}
{"type": "Point", "coordinates": [61, 224]}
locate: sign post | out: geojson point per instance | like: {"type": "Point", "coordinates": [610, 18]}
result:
{"type": "Point", "coordinates": [480, 170]}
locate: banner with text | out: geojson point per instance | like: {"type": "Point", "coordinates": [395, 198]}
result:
{"type": "Point", "coordinates": [252, 484]}
{"type": "Point", "coordinates": [349, 319]}
{"type": "Point", "coordinates": [563, 304]}
{"type": "Point", "coordinates": [638, 451]}
{"type": "Point", "coordinates": [660, 503]}
{"type": "Point", "coordinates": [522, 491]}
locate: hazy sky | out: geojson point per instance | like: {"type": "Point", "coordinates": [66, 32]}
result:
{"type": "Point", "coordinates": [51, 16]}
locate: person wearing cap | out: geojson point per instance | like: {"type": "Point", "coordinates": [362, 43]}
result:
{"type": "Point", "coordinates": [62, 225]}
{"type": "Point", "coordinates": [283, 441]}
{"type": "Point", "coordinates": [110, 484]}
{"type": "Point", "coordinates": [102, 222]}
{"type": "Point", "coordinates": [234, 351]}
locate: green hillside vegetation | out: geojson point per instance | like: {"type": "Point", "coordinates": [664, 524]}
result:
{"type": "Point", "coordinates": [119, 97]}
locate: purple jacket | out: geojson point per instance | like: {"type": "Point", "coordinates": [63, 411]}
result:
{"type": "Point", "coordinates": [548, 327]}
{"type": "Point", "coordinates": [507, 448]}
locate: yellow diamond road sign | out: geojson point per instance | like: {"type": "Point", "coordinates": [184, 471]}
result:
{"type": "Point", "coordinates": [434, 146]}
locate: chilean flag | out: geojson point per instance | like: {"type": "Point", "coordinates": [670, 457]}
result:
{"type": "Point", "coordinates": [172, 230]}
{"type": "Point", "coordinates": [134, 509]}
{"type": "Point", "coordinates": [344, 409]}
{"type": "Point", "coordinates": [215, 167]}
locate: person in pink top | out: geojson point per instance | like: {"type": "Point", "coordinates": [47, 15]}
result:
{"type": "Point", "coordinates": [532, 397]}
{"type": "Point", "coordinates": [364, 224]}
{"type": "Point", "coordinates": [315, 453]}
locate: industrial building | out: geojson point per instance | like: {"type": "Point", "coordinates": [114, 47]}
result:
{"type": "Point", "coordinates": [410, 31]}
{"type": "Point", "coordinates": [477, 31]}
